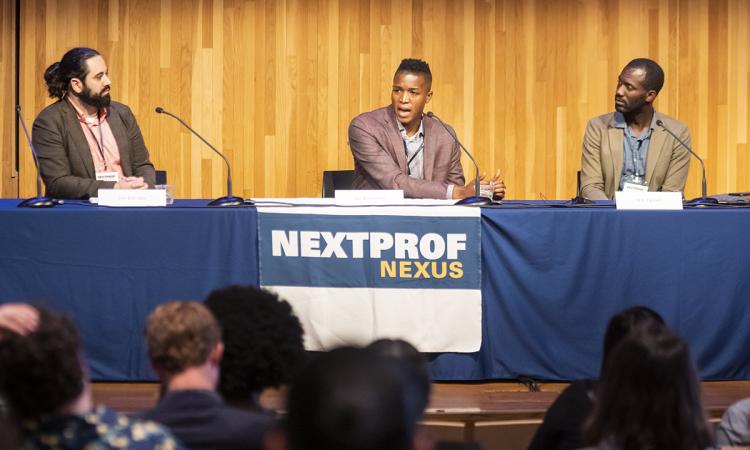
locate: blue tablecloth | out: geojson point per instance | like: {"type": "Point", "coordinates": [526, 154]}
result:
{"type": "Point", "coordinates": [551, 278]}
{"type": "Point", "coordinates": [110, 267]}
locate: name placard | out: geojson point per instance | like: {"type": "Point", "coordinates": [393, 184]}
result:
{"type": "Point", "coordinates": [360, 197]}
{"type": "Point", "coordinates": [648, 200]}
{"type": "Point", "coordinates": [132, 197]}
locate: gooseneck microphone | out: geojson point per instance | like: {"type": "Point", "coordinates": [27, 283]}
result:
{"type": "Point", "coordinates": [704, 198]}
{"type": "Point", "coordinates": [229, 199]}
{"type": "Point", "coordinates": [38, 201]}
{"type": "Point", "coordinates": [476, 200]}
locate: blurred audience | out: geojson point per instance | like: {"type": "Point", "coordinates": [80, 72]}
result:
{"type": "Point", "coordinates": [43, 379]}
{"type": "Point", "coordinates": [415, 368]}
{"type": "Point", "coordinates": [563, 422]}
{"type": "Point", "coordinates": [734, 429]}
{"type": "Point", "coordinates": [648, 398]}
{"type": "Point", "coordinates": [350, 399]}
{"type": "Point", "coordinates": [185, 348]}
{"type": "Point", "coordinates": [263, 343]}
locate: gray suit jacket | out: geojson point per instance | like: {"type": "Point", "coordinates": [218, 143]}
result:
{"type": "Point", "coordinates": [667, 162]}
{"type": "Point", "coordinates": [380, 158]}
{"type": "Point", "coordinates": [65, 160]}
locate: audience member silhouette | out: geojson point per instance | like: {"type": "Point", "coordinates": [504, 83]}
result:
{"type": "Point", "coordinates": [263, 343]}
{"type": "Point", "coordinates": [349, 399]}
{"type": "Point", "coordinates": [561, 428]}
{"type": "Point", "coordinates": [47, 389]}
{"type": "Point", "coordinates": [734, 428]}
{"type": "Point", "coordinates": [648, 398]}
{"type": "Point", "coordinates": [185, 348]}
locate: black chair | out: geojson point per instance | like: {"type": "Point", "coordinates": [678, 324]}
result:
{"type": "Point", "coordinates": [161, 177]}
{"type": "Point", "coordinates": [334, 180]}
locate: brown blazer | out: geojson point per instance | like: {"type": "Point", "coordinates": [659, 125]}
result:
{"type": "Point", "coordinates": [667, 162]}
{"type": "Point", "coordinates": [65, 160]}
{"type": "Point", "coordinates": [380, 158]}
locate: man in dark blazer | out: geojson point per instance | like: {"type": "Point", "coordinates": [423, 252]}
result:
{"type": "Point", "coordinates": [86, 142]}
{"type": "Point", "coordinates": [397, 147]}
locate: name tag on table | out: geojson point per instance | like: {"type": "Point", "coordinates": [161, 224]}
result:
{"type": "Point", "coordinates": [361, 197]}
{"type": "Point", "coordinates": [634, 187]}
{"type": "Point", "coordinates": [108, 176]}
{"type": "Point", "coordinates": [648, 200]}
{"type": "Point", "coordinates": [132, 197]}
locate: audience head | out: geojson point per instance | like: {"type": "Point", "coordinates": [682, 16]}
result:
{"type": "Point", "coordinates": [263, 341]}
{"type": "Point", "coordinates": [635, 320]}
{"type": "Point", "coordinates": [349, 399]}
{"type": "Point", "coordinates": [648, 397]}
{"type": "Point", "coordinates": [41, 372]}
{"type": "Point", "coordinates": [416, 371]}
{"type": "Point", "coordinates": [181, 335]}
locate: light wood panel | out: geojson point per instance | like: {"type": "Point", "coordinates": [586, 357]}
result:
{"type": "Point", "coordinates": [275, 83]}
{"type": "Point", "coordinates": [9, 182]}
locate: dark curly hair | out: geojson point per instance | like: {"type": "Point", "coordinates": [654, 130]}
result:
{"type": "Point", "coordinates": [416, 66]}
{"type": "Point", "coordinates": [72, 65]}
{"type": "Point", "coordinates": [41, 372]}
{"type": "Point", "coordinates": [263, 341]}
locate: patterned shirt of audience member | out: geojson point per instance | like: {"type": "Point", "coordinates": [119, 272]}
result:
{"type": "Point", "coordinates": [100, 429]}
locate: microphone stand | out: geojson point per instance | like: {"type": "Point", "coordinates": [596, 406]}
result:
{"type": "Point", "coordinates": [476, 199]}
{"type": "Point", "coordinates": [229, 199]}
{"type": "Point", "coordinates": [579, 199]}
{"type": "Point", "coordinates": [703, 200]}
{"type": "Point", "coordinates": [39, 201]}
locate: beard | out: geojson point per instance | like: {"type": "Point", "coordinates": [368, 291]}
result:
{"type": "Point", "coordinates": [98, 101]}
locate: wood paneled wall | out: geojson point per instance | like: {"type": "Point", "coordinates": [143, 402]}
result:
{"type": "Point", "coordinates": [274, 83]}
{"type": "Point", "coordinates": [9, 181]}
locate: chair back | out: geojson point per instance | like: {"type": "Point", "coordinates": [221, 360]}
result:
{"type": "Point", "coordinates": [334, 180]}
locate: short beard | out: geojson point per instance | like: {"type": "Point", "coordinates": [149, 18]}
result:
{"type": "Point", "coordinates": [96, 100]}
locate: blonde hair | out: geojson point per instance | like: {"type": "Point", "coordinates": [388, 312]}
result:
{"type": "Point", "coordinates": [181, 335]}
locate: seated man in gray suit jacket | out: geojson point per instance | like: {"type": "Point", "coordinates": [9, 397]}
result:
{"type": "Point", "coordinates": [86, 142]}
{"type": "Point", "coordinates": [396, 147]}
{"type": "Point", "coordinates": [627, 148]}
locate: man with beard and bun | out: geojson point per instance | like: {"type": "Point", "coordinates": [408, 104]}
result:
{"type": "Point", "coordinates": [627, 149]}
{"type": "Point", "coordinates": [85, 141]}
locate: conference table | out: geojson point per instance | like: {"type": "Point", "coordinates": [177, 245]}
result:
{"type": "Point", "coordinates": [552, 275]}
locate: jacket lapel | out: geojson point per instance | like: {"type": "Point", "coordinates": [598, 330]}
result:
{"type": "Point", "coordinates": [395, 139]}
{"type": "Point", "coordinates": [427, 151]}
{"type": "Point", "coordinates": [80, 145]}
{"type": "Point", "coordinates": [616, 141]}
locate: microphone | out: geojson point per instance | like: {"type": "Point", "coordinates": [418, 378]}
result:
{"type": "Point", "coordinates": [476, 200]}
{"type": "Point", "coordinates": [703, 199]}
{"type": "Point", "coordinates": [38, 201]}
{"type": "Point", "coordinates": [579, 199]}
{"type": "Point", "coordinates": [229, 199]}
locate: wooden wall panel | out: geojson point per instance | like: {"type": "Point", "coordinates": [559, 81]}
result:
{"type": "Point", "coordinates": [274, 84]}
{"type": "Point", "coordinates": [9, 181]}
